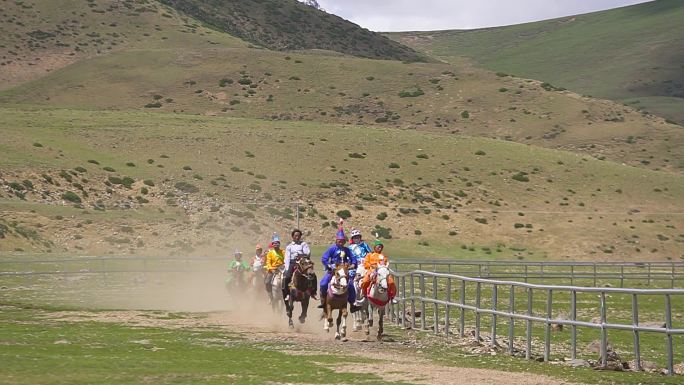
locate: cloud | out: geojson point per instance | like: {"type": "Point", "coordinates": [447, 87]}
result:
{"type": "Point", "coordinates": [411, 15]}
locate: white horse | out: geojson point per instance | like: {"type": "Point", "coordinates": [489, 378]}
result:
{"type": "Point", "coordinates": [377, 299]}
{"type": "Point", "coordinates": [276, 294]}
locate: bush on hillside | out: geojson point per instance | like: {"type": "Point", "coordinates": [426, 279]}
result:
{"type": "Point", "coordinates": [71, 197]}
{"type": "Point", "coordinates": [344, 214]}
{"type": "Point", "coordinates": [186, 187]}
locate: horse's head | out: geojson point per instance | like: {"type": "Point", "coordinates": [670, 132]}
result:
{"type": "Point", "coordinates": [305, 266]}
{"type": "Point", "coordinates": [341, 274]}
{"type": "Point", "coordinates": [381, 275]}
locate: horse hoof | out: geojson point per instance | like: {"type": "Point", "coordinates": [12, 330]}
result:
{"type": "Point", "coordinates": [302, 320]}
{"type": "Point", "coordinates": [370, 323]}
{"type": "Point", "coordinates": [291, 324]}
{"type": "Point", "coordinates": [379, 337]}
{"type": "Point", "coordinates": [337, 337]}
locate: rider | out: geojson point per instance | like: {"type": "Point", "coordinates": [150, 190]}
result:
{"type": "Point", "coordinates": [237, 265]}
{"type": "Point", "coordinates": [274, 259]}
{"type": "Point", "coordinates": [336, 254]}
{"type": "Point", "coordinates": [258, 259]}
{"type": "Point", "coordinates": [373, 260]}
{"type": "Point", "coordinates": [295, 250]}
{"type": "Point", "coordinates": [358, 247]}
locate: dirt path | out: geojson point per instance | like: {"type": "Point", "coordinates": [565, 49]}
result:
{"type": "Point", "coordinates": [391, 359]}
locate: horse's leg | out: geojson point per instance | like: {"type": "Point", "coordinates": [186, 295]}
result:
{"type": "Point", "coordinates": [327, 312]}
{"type": "Point", "coordinates": [344, 314]}
{"type": "Point", "coordinates": [381, 316]}
{"type": "Point", "coordinates": [338, 322]}
{"type": "Point", "coordinates": [366, 314]}
{"type": "Point", "coordinates": [289, 307]}
{"type": "Point", "coordinates": [305, 307]}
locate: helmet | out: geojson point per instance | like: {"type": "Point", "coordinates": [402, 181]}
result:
{"type": "Point", "coordinates": [355, 233]}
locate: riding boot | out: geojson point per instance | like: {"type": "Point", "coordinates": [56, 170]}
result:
{"type": "Point", "coordinates": [322, 305]}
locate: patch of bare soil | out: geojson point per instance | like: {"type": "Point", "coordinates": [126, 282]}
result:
{"type": "Point", "coordinates": [255, 321]}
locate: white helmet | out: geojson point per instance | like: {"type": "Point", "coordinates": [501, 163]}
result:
{"type": "Point", "coordinates": [355, 233]}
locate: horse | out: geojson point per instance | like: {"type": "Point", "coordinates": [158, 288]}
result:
{"type": "Point", "coordinates": [336, 299]}
{"type": "Point", "coordinates": [378, 294]}
{"type": "Point", "coordinates": [303, 284]}
{"type": "Point", "coordinates": [276, 294]}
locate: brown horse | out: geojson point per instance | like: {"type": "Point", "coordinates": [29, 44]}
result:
{"type": "Point", "coordinates": [336, 299]}
{"type": "Point", "coordinates": [302, 286]}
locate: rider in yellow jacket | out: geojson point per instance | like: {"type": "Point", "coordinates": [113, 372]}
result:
{"type": "Point", "coordinates": [274, 259]}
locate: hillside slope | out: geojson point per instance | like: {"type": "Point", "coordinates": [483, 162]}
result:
{"type": "Point", "coordinates": [291, 25]}
{"type": "Point", "coordinates": [632, 55]}
{"type": "Point", "coordinates": [40, 36]}
{"type": "Point", "coordinates": [154, 183]}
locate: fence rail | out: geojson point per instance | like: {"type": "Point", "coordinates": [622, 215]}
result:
{"type": "Point", "coordinates": [595, 272]}
{"type": "Point", "coordinates": [413, 289]}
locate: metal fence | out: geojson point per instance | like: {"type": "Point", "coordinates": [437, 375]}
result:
{"type": "Point", "coordinates": [447, 294]}
{"type": "Point", "coordinates": [589, 273]}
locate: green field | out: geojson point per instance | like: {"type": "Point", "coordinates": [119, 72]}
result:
{"type": "Point", "coordinates": [581, 53]}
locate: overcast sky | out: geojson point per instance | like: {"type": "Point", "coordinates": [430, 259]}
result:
{"type": "Point", "coordinates": [425, 15]}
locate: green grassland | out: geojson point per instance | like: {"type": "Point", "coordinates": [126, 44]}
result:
{"type": "Point", "coordinates": [631, 54]}
{"type": "Point", "coordinates": [194, 181]}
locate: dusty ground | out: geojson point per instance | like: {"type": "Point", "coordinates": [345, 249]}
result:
{"type": "Point", "coordinates": [391, 359]}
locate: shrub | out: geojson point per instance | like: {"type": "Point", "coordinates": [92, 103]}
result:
{"type": "Point", "coordinates": [370, 78]}
{"type": "Point", "coordinates": [80, 169]}
{"type": "Point", "coordinates": [356, 155]}
{"type": "Point", "coordinates": [382, 216]}
{"type": "Point", "coordinates": [518, 225]}
{"type": "Point", "coordinates": [108, 169]}
{"type": "Point", "coordinates": [148, 182]}
{"type": "Point", "coordinates": [37, 144]}
{"type": "Point", "coordinates": [521, 177]}
{"type": "Point", "coordinates": [234, 102]}
{"type": "Point", "coordinates": [224, 82]}
{"type": "Point", "coordinates": [295, 78]}
{"type": "Point", "coordinates": [480, 152]}
{"type": "Point", "coordinates": [503, 89]}
{"type": "Point", "coordinates": [65, 175]}
{"type": "Point", "coordinates": [481, 220]}
{"type": "Point", "coordinates": [445, 217]}
{"type": "Point", "coordinates": [144, 191]}
{"type": "Point", "coordinates": [245, 81]}
{"type": "Point", "coordinates": [187, 168]}
{"type": "Point", "coordinates": [130, 164]}
{"type": "Point", "coordinates": [383, 232]}
{"type": "Point", "coordinates": [393, 165]}
{"type": "Point", "coordinates": [186, 187]}
{"type": "Point", "coordinates": [422, 156]}
{"type": "Point", "coordinates": [153, 105]}
{"type": "Point", "coordinates": [465, 114]}
{"type": "Point", "coordinates": [344, 214]}
{"type": "Point", "coordinates": [417, 232]}
{"type": "Point", "coordinates": [71, 197]}
{"type": "Point", "coordinates": [411, 94]}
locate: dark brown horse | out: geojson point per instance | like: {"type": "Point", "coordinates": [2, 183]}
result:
{"type": "Point", "coordinates": [302, 286]}
{"type": "Point", "coordinates": [336, 299]}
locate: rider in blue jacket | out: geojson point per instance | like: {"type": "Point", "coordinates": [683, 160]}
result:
{"type": "Point", "coordinates": [336, 254]}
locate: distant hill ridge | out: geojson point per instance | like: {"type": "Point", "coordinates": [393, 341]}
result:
{"type": "Point", "coordinates": [633, 55]}
{"type": "Point", "coordinates": [291, 25]}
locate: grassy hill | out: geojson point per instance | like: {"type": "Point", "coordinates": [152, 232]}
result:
{"type": "Point", "coordinates": [633, 55]}
{"type": "Point", "coordinates": [155, 183]}
{"type": "Point", "coordinates": [291, 25]}
{"type": "Point", "coordinates": [40, 36]}
{"type": "Point", "coordinates": [160, 135]}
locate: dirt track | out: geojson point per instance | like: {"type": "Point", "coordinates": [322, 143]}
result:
{"type": "Point", "coordinates": [390, 359]}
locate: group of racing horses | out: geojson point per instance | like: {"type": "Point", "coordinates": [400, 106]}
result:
{"type": "Point", "coordinates": [348, 285]}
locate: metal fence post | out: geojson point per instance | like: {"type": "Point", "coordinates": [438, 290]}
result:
{"type": "Point", "coordinates": [446, 307]}
{"type": "Point", "coordinates": [478, 289]}
{"type": "Point", "coordinates": [511, 320]}
{"type": "Point", "coordinates": [604, 335]}
{"type": "Point", "coordinates": [526, 272]}
{"type": "Point", "coordinates": [572, 275]}
{"type": "Point", "coordinates": [435, 308]}
{"type": "Point", "coordinates": [413, 303]}
{"type": "Point", "coordinates": [668, 326]}
{"type": "Point", "coordinates": [462, 315]}
{"type": "Point", "coordinates": [622, 275]}
{"type": "Point", "coordinates": [547, 331]}
{"type": "Point", "coordinates": [573, 327]}
{"type": "Point", "coordinates": [422, 301]}
{"type": "Point", "coordinates": [528, 352]}
{"type": "Point", "coordinates": [635, 323]}
{"type": "Point", "coordinates": [594, 274]}
{"type": "Point", "coordinates": [495, 299]}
